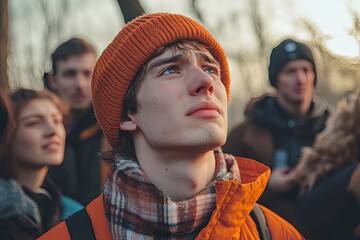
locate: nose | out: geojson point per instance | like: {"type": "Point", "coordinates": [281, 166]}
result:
{"type": "Point", "coordinates": [302, 76]}
{"type": "Point", "coordinates": [201, 82]}
{"type": "Point", "coordinates": [80, 80]}
{"type": "Point", "coordinates": [50, 129]}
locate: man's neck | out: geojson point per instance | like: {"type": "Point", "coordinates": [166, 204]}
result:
{"type": "Point", "coordinates": [179, 176]}
{"type": "Point", "coordinates": [300, 109]}
{"type": "Point", "coordinates": [75, 116]}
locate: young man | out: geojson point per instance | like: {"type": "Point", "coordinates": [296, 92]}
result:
{"type": "Point", "coordinates": [160, 93]}
{"type": "Point", "coordinates": [80, 174]}
{"type": "Point", "coordinates": [277, 127]}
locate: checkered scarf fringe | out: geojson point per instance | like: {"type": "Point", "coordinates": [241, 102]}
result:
{"type": "Point", "coordinates": [136, 209]}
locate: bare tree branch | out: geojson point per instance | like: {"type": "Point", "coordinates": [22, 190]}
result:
{"type": "Point", "coordinates": [130, 9]}
{"type": "Point", "coordinates": [196, 10]}
{"type": "Point", "coordinates": [259, 26]}
{"type": "Point", "coordinates": [30, 58]}
{"type": "Point", "coordinates": [4, 38]}
{"type": "Point", "coordinates": [355, 30]}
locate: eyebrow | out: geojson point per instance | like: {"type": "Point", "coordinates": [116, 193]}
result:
{"type": "Point", "coordinates": [161, 61]}
{"type": "Point", "coordinates": [207, 58]}
{"type": "Point", "coordinates": [23, 118]}
{"type": "Point", "coordinates": [182, 57]}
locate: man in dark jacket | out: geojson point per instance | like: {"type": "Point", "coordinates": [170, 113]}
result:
{"type": "Point", "coordinates": [277, 127]}
{"type": "Point", "coordinates": [80, 175]}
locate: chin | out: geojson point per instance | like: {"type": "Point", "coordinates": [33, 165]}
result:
{"type": "Point", "coordinates": [297, 99]}
{"type": "Point", "coordinates": [213, 140]}
{"type": "Point", "coordinates": [78, 108]}
{"type": "Point", "coordinates": [54, 161]}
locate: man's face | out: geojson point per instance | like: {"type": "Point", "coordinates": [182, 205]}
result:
{"type": "Point", "coordinates": [182, 103]}
{"type": "Point", "coordinates": [72, 80]}
{"type": "Point", "coordinates": [295, 81]}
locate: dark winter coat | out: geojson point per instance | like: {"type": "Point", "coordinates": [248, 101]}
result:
{"type": "Point", "coordinates": [26, 215]}
{"type": "Point", "coordinates": [272, 136]}
{"type": "Point", "coordinates": [275, 138]}
{"type": "Point", "coordinates": [79, 176]}
{"type": "Point", "coordinates": [328, 210]}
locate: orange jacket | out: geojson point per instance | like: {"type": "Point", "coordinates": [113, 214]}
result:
{"type": "Point", "coordinates": [230, 219]}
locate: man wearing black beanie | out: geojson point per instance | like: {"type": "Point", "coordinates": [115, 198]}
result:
{"type": "Point", "coordinates": [277, 126]}
{"type": "Point", "coordinates": [288, 50]}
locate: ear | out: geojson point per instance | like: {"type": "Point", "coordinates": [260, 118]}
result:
{"type": "Point", "coordinates": [129, 124]}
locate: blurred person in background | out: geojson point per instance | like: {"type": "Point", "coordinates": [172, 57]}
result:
{"type": "Point", "coordinates": [30, 203]}
{"type": "Point", "coordinates": [277, 127]}
{"type": "Point", "coordinates": [329, 176]}
{"type": "Point", "coordinates": [81, 175]}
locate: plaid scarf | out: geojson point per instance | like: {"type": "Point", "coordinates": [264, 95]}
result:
{"type": "Point", "coordinates": [137, 209]}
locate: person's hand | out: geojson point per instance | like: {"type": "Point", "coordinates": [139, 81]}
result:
{"type": "Point", "coordinates": [281, 179]}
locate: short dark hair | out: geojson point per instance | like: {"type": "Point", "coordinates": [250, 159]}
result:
{"type": "Point", "coordinates": [126, 147]}
{"type": "Point", "coordinates": [72, 47]}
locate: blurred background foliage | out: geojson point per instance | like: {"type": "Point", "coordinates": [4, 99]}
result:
{"type": "Point", "coordinates": [31, 29]}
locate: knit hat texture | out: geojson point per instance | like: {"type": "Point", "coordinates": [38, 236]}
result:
{"type": "Point", "coordinates": [288, 50]}
{"type": "Point", "coordinates": [131, 48]}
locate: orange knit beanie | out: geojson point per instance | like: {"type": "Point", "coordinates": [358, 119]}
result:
{"type": "Point", "coordinates": [131, 48]}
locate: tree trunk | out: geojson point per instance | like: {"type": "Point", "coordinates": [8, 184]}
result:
{"type": "Point", "coordinates": [4, 25]}
{"type": "Point", "coordinates": [130, 9]}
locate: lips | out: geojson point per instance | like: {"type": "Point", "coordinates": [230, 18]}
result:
{"type": "Point", "coordinates": [78, 97]}
{"type": "Point", "coordinates": [53, 145]}
{"type": "Point", "coordinates": [204, 106]}
{"type": "Point", "coordinates": [299, 89]}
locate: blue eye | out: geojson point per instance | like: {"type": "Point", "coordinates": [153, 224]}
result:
{"type": "Point", "coordinates": [211, 70]}
{"type": "Point", "coordinates": [168, 71]}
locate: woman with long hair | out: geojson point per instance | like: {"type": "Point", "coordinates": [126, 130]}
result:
{"type": "Point", "coordinates": [32, 203]}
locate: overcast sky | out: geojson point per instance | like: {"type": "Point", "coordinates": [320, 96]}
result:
{"type": "Point", "coordinates": [332, 17]}
{"type": "Point", "coordinates": [100, 21]}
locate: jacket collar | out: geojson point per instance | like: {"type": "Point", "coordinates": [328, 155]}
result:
{"type": "Point", "coordinates": [235, 201]}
